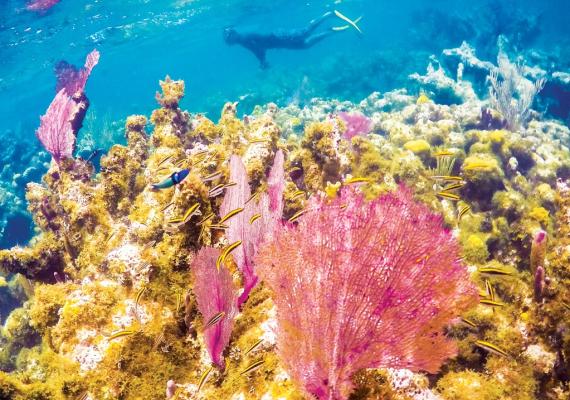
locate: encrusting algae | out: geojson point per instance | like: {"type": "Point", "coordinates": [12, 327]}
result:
{"type": "Point", "coordinates": [112, 312]}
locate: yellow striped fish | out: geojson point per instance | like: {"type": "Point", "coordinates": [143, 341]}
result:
{"type": "Point", "coordinates": [121, 334]}
{"type": "Point", "coordinates": [253, 347]}
{"type": "Point", "coordinates": [468, 322]}
{"type": "Point", "coordinates": [494, 271]}
{"type": "Point", "coordinates": [165, 160]}
{"type": "Point", "coordinates": [449, 196]}
{"type": "Point", "coordinates": [230, 214]}
{"type": "Point", "coordinates": [297, 194]}
{"type": "Point", "coordinates": [490, 347]}
{"type": "Point", "coordinates": [252, 367]}
{"type": "Point", "coordinates": [215, 319]}
{"type": "Point", "coordinates": [212, 176]}
{"type": "Point", "coordinates": [453, 186]}
{"type": "Point", "coordinates": [446, 178]}
{"type": "Point", "coordinates": [357, 180]}
{"type": "Point", "coordinates": [254, 196]}
{"type": "Point", "coordinates": [204, 377]}
{"type": "Point", "coordinates": [254, 218]}
{"type": "Point", "coordinates": [206, 218]}
{"type": "Point", "coordinates": [138, 297]}
{"type": "Point", "coordinates": [463, 211]}
{"type": "Point", "coordinates": [491, 303]}
{"type": "Point", "coordinates": [297, 215]}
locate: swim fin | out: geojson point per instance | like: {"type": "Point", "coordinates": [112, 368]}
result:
{"type": "Point", "coordinates": [346, 19]}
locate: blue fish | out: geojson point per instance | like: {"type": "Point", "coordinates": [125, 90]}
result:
{"type": "Point", "coordinates": [172, 180]}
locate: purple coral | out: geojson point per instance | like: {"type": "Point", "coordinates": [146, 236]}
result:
{"type": "Point", "coordinates": [538, 250]}
{"type": "Point", "coordinates": [364, 285]}
{"type": "Point", "coordinates": [215, 293]}
{"type": "Point", "coordinates": [356, 124]}
{"type": "Point", "coordinates": [252, 235]}
{"type": "Point", "coordinates": [56, 132]}
{"type": "Point", "coordinates": [72, 79]}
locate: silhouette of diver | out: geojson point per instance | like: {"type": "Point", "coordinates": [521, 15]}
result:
{"type": "Point", "coordinates": [259, 43]}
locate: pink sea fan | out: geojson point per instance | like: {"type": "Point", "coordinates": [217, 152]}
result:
{"type": "Point", "coordinates": [252, 235]}
{"type": "Point", "coordinates": [41, 5]}
{"type": "Point", "coordinates": [356, 124]}
{"type": "Point", "coordinates": [215, 293]}
{"type": "Point", "coordinates": [72, 79]}
{"type": "Point", "coordinates": [363, 285]}
{"type": "Point", "coordinates": [56, 132]}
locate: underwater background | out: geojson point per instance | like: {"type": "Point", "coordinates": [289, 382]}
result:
{"type": "Point", "coordinates": [408, 112]}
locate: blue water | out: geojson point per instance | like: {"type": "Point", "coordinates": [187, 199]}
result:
{"type": "Point", "coordinates": [141, 41]}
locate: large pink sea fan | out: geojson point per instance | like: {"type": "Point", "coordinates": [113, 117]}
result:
{"type": "Point", "coordinates": [356, 124]}
{"type": "Point", "coordinates": [72, 79]}
{"type": "Point", "coordinates": [364, 285]}
{"type": "Point", "coordinates": [41, 5]}
{"type": "Point", "coordinates": [56, 132]}
{"type": "Point", "coordinates": [215, 292]}
{"type": "Point", "coordinates": [252, 235]}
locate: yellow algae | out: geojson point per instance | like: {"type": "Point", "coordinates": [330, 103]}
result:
{"type": "Point", "coordinates": [422, 99]}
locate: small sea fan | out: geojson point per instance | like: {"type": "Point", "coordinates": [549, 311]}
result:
{"type": "Point", "coordinates": [356, 124]}
{"type": "Point", "coordinates": [56, 131]}
{"type": "Point", "coordinates": [215, 293]}
{"type": "Point", "coordinates": [252, 234]}
{"type": "Point", "coordinates": [364, 285]}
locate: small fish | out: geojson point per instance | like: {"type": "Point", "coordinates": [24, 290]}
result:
{"type": "Point", "coordinates": [443, 153]}
{"type": "Point", "coordinates": [138, 297]}
{"type": "Point", "coordinates": [167, 206]}
{"type": "Point", "coordinates": [490, 347]}
{"type": "Point", "coordinates": [110, 237]}
{"type": "Point", "coordinates": [488, 288]}
{"type": "Point", "coordinates": [453, 186]}
{"type": "Point", "coordinates": [212, 176]}
{"type": "Point", "coordinates": [204, 377]}
{"type": "Point", "coordinates": [297, 215]}
{"type": "Point", "coordinates": [254, 218]}
{"type": "Point", "coordinates": [219, 226]}
{"type": "Point", "coordinates": [254, 196]}
{"type": "Point", "coordinates": [206, 218]}
{"type": "Point", "coordinates": [180, 163]}
{"type": "Point", "coordinates": [172, 180]}
{"type": "Point", "coordinates": [349, 21]}
{"type": "Point", "coordinates": [446, 178]}
{"type": "Point", "coordinates": [469, 322]}
{"type": "Point", "coordinates": [178, 301]}
{"type": "Point", "coordinates": [231, 248]}
{"type": "Point", "coordinates": [119, 334]}
{"type": "Point", "coordinates": [253, 141]}
{"type": "Point", "coordinates": [491, 303]}
{"type": "Point", "coordinates": [566, 306]}
{"type": "Point", "coordinates": [449, 196]}
{"type": "Point", "coordinates": [193, 210]}
{"type": "Point", "coordinates": [200, 153]}
{"type": "Point", "coordinates": [476, 166]}
{"type": "Point", "coordinates": [253, 347]}
{"type": "Point", "coordinates": [357, 180]}
{"type": "Point", "coordinates": [297, 194]}
{"type": "Point", "coordinates": [463, 211]}
{"type": "Point", "coordinates": [216, 190]}
{"type": "Point", "coordinates": [230, 184]}
{"type": "Point", "coordinates": [165, 159]}
{"type": "Point", "coordinates": [230, 214]}
{"type": "Point", "coordinates": [83, 396]}
{"type": "Point", "coordinates": [494, 271]}
{"type": "Point", "coordinates": [215, 319]}
{"type": "Point", "coordinates": [252, 367]}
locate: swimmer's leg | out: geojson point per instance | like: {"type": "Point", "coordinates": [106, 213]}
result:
{"type": "Point", "coordinates": [314, 24]}
{"type": "Point", "coordinates": [314, 39]}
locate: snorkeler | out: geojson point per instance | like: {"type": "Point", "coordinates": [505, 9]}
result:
{"type": "Point", "coordinates": [259, 43]}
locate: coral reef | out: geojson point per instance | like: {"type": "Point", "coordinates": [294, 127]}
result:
{"type": "Point", "coordinates": [108, 306]}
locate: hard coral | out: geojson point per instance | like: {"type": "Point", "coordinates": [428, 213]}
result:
{"type": "Point", "coordinates": [364, 285]}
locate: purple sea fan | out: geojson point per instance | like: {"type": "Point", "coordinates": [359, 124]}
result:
{"type": "Point", "coordinates": [356, 124]}
{"type": "Point", "coordinates": [252, 234]}
{"type": "Point", "coordinates": [72, 79]}
{"type": "Point", "coordinates": [215, 293]}
{"type": "Point", "coordinates": [364, 285]}
{"type": "Point", "coordinates": [56, 131]}
{"type": "Point", "coordinates": [41, 5]}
